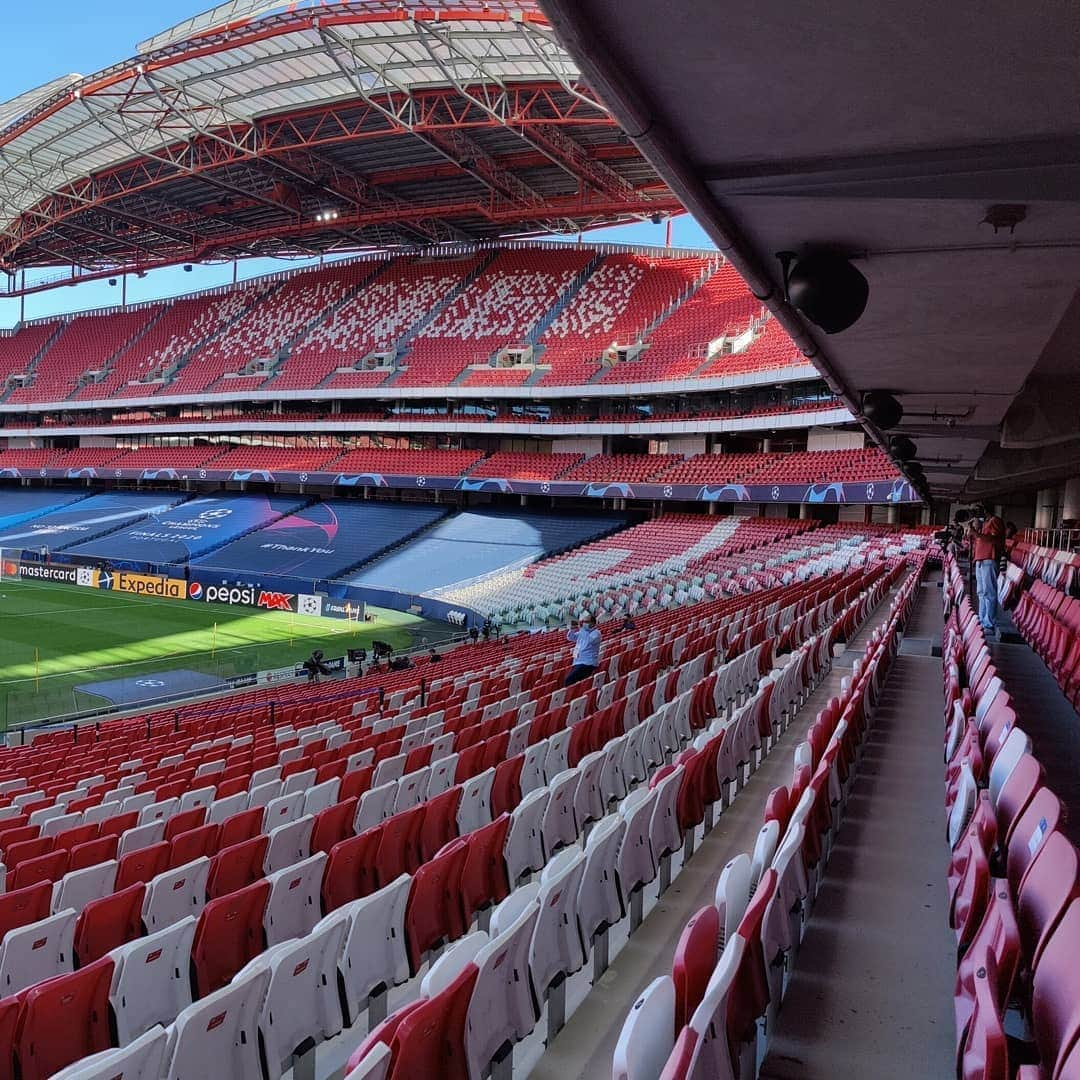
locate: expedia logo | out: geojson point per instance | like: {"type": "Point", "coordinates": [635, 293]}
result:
{"type": "Point", "coordinates": [147, 585]}
{"type": "Point", "coordinates": [456, 618]}
{"type": "Point", "coordinates": [195, 591]}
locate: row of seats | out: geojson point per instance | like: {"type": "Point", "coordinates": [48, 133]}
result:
{"type": "Point", "coordinates": [448, 1032]}
{"type": "Point", "coordinates": [1014, 877]}
{"type": "Point", "coordinates": [141, 997]}
{"type": "Point", "coordinates": [1050, 623]}
{"type": "Point", "coordinates": [712, 1017]}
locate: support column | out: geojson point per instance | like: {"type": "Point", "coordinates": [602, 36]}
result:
{"type": "Point", "coordinates": [1046, 503]}
{"type": "Point", "coordinates": [891, 513]}
{"type": "Point", "coordinates": [1070, 507]}
{"type": "Point", "coordinates": [804, 511]}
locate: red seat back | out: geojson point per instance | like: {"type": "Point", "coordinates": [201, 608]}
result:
{"type": "Point", "coordinates": [72, 838]}
{"type": "Point", "coordinates": [240, 827]}
{"type": "Point", "coordinates": [433, 912]}
{"type": "Point", "coordinates": [64, 1019]}
{"type": "Point", "coordinates": [237, 866]}
{"type": "Point", "coordinates": [333, 825]}
{"type": "Point", "coordinates": [399, 845]}
{"type": "Point", "coordinates": [350, 870]}
{"type": "Point", "coordinates": [23, 906]}
{"type": "Point", "coordinates": [93, 852]}
{"type": "Point", "coordinates": [484, 880]}
{"type": "Point", "coordinates": [194, 844]}
{"type": "Point", "coordinates": [228, 935]}
{"type": "Point", "coordinates": [142, 865]}
{"type": "Point", "coordinates": [439, 826]}
{"type": "Point", "coordinates": [51, 867]}
{"type": "Point", "coordinates": [111, 921]}
{"type": "Point", "coordinates": [695, 959]}
{"type": "Point", "coordinates": [181, 823]}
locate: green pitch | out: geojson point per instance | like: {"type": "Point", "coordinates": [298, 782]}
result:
{"type": "Point", "coordinates": [83, 635]}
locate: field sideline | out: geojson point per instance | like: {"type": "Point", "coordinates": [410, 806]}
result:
{"type": "Point", "coordinates": [85, 635]}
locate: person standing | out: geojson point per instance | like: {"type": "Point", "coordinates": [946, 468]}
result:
{"type": "Point", "coordinates": [586, 639]}
{"type": "Point", "coordinates": [987, 544]}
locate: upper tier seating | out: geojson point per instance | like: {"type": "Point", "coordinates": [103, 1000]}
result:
{"type": "Point", "coordinates": [86, 344]}
{"type": "Point", "coordinates": [408, 462]}
{"type": "Point", "coordinates": [617, 304]}
{"type": "Point", "coordinates": [85, 457]}
{"type": "Point", "coordinates": [498, 309]}
{"type": "Point", "coordinates": [264, 329]}
{"type": "Point", "coordinates": [678, 346]}
{"type": "Point", "coordinates": [474, 543]}
{"type": "Point", "coordinates": [806, 467]}
{"type": "Point", "coordinates": [514, 465]}
{"type": "Point", "coordinates": [716, 469]}
{"type": "Point", "coordinates": [770, 350]}
{"type": "Point", "coordinates": [374, 320]}
{"type": "Point", "coordinates": [18, 350]}
{"type": "Point", "coordinates": [184, 326]}
{"type": "Point", "coordinates": [629, 468]}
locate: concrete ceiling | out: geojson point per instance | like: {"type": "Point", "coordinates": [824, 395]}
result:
{"type": "Point", "coordinates": [885, 133]}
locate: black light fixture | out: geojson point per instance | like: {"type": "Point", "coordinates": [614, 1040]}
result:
{"type": "Point", "coordinates": [902, 448]}
{"type": "Point", "coordinates": [112, 281]}
{"type": "Point", "coordinates": [187, 268]}
{"type": "Point", "coordinates": [882, 409]}
{"type": "Point", "coordinates": [826, 287]}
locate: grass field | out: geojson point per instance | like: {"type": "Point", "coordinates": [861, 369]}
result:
{"type": "Point", "coordinates": [84, 635]}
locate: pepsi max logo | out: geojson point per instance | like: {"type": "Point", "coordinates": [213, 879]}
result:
{"type": "Point", "coordinates": [195, 591]}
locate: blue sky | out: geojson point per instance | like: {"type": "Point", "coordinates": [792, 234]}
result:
{"type": "Point", "coordinates": [42, 42]}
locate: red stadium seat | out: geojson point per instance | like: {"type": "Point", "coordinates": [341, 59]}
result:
{"type": "Point", "coordinates": [433, 912]}
{"type": "Point", "coordinates": [229, 933]}
{"type": "Point", "coordinates": [193, 844]}
{"type": "Point", "coordinates": [64, 1019]}
{"type": "Point", "coordinates": [237, 866]}
{"type": "Point", "coordinates": [93, 852]}
{"type": "Point", "coordinates": [240, 827]}
{"type": "Point", "coordinates": [23, 906]}
{"type": "Point", "coordinates": [142, 865]}
{"type": "Point", "coordinates": [350, 870]}
{"type": "Point", "coordinates": [111, 921]}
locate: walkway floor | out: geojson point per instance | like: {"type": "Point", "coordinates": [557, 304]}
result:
{"type": "Point", "coordinates": [1044, 713]}
{"type": "Point", "coordinates": [871, 993]}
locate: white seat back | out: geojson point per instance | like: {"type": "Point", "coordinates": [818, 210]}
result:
{"type": "Point", "coordinates": [288, 844]}
{"type": "Point", "coordinates": [556, 944]}
{"type": "Point", "coordinates": [78, 887]}
{"type": "Point", "coordinates": [174, 894]}
{"type": "Point", "coordinates": [29, 954]}
{"type": "Point", "coordinates": [143, 1059]}
{"type": "Point", "coordinates": [151, 982]}
{"type": "Point", "coordinates": [524, 840]}
{"type": "Point", "coordinates": [219, 1036]}
{"type": "Point", "coordinates": [293, 906]}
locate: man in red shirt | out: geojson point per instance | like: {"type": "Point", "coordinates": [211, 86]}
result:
{"type": "Point", "coordinates": [987, 543]}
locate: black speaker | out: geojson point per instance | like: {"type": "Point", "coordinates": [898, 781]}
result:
{"type": "Point", "coordinates": [903, 449]}
{"type": "Point", "coordinates": [881, 408]}
{"type": "Point", "coordinates": [828, 290]}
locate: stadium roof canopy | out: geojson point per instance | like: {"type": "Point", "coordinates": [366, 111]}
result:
{"type": "Point", "coordinates": [897, 134]}
{"type": "Point", "coordinates": [278, 128]}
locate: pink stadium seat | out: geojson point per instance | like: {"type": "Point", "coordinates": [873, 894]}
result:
{"type": "Point", "coordinates": [229, 934]}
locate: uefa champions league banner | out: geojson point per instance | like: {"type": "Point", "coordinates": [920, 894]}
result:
{"type": "Point", "coordinates": [180, 533]}
{"type": "Point", "coordinates": [897, 490]}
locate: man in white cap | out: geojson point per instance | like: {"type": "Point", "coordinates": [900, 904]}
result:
{"type": "Point", "coordinates": [586, 639]}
